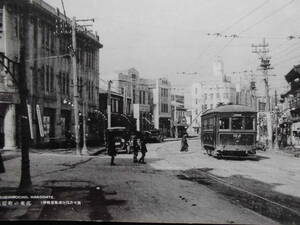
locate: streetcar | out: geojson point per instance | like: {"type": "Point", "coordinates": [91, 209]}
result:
{"type": "Point", "coordinates": [229, 131]}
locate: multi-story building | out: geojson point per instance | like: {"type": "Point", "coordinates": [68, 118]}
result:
{"type": "Point", "coordinates": [290, 120]}
{"type": "Point", "coordinates": [210, 93]}
{"type": "Point", "coordinates": [161, 105]}
{"type": "Point", "coordinates": [137, 89]}
{"type": "Point", "coordinates": [245, 89]}
{"type": "Point", "coordinates": [48, 69]}
{"type": "Point", "coordinates": [178, 113]}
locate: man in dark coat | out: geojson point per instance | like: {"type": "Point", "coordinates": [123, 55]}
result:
{"type": "Point", "coordinates": [184, 144]}
{"type": "Point", "coordinates": [143, 150]}
{"type": "Point", "coordinates": [135, 149]}
{"type": "Point", "coordinates": [111, 149]}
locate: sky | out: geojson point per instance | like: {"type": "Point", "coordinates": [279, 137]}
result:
{"type": "Point", "coordinates": [173, 38]}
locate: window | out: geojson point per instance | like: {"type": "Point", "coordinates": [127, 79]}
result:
{"type": "Point", "coordinates": [43, 35]}
{"type": "Point", "coordinates": [140, 97]}
{"type": "Point", "coordinates": [218, 95]}
{"type": "Point", "coordinates": [144, 97]}
{"type": "Point", "coordinates": [51, 80]}
{"type": "Point", "coordinates": [67, 85]}
{"type": "Point", "coordinates": [249, 122]}
{"type": "Point", "coordinates": [47, 79]}
{"type": "Point", "coordinates": [237, 123]}
{"type": "Point", "coordinates": [205, 97]}
{"type": "Point", "coordinates": [211, 96]}
{"type": "Point", "coordinates": [164, 108]}
{"type": "Point", "coordinates": [211, 106]}
{"type": "Point", "coordinates": [224, 123]}
{"type": "Point", "coordinates": [42, 78]}
{"type": "Point", "coordinates": [133, 93]}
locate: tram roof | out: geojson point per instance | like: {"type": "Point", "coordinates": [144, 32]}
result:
{"type": "Point", "coordinates": [230, 109]}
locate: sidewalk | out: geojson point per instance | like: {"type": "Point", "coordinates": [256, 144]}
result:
{"type": "Point", "coordinates": [92, 151]}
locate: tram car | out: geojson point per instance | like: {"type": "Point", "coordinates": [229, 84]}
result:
{"type": "Point", "coordinates": [229, 131]}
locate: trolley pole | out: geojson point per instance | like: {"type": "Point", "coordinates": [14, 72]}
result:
{"type": "Point", "coordinates": [75, 86]}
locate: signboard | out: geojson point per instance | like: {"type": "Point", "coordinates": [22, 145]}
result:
{"type": "Point", "coordinates": [8, 97]}
{"type": "Point", "coordinates": [137, 108]}
{"type": "Point", "coordinates": [29, 111]}
{"type": "Point", "coordinates": [40, 122]}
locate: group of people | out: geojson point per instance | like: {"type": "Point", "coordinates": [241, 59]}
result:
{"type": "Point", "coordinates": [136, 145]}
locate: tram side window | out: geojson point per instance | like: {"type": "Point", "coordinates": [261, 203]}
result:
{"type": "Point", "coordinates": [249, 123]}
{"type": "Point", "coordinates": [208, 124]}
{"type": "Point", "coordinates": [211, 123]}
{"type": "Point", "coordinates": [224, 123]}
{"type": "Point", "coordinates": [204, 124]}
{"type": "Point", "coordinates": [237, 123]}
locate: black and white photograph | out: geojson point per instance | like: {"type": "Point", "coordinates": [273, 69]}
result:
{"type": "Point", "coordinates": [150, 111]}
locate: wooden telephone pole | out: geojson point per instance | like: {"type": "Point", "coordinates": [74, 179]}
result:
{"type": "Point", "coordinates": [262, 50]}
{"type": "Point", "coordinates": [75, 86]}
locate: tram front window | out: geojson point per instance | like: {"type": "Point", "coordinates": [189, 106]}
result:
{"type": "Point", "coordinates": [237, 123]}
{"type": "Point", "coordinates": [224, 123]}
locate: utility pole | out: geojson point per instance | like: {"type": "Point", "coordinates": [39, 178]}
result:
{"type": "Point", "coordinates": [175, 121]}
{"type": "Point", "coordinates": [253, 92]}
{"type": "Point", "coordinates": [84, 150]}
{"type": "Point", "coordinates": [276, 147]}
{"type": "Point", "coordinates": [75, 86]}
{"type": "Point", "coordinates": [124, 101]}
{"type": "Point", "coordinates": [109, 104]}
{"type": "Point", "coordinates": [262, 50]}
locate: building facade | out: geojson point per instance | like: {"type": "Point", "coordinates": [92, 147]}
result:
{"type": "Point", "coordinates": [208, 95]}
{"type": "Point", "coordinates": [161, 105]}
{"type": "Point", "coordinates": [48, 70]}
{"type": "Point", "coordinates": [130, 84]}
{"type": "Point", "coordinates": [179, 123]}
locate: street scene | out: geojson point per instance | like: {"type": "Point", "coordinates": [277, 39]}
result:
{"type": "Point", "coordinates": [148, 111]}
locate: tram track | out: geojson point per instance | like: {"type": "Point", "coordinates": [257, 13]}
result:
{"type": "Point", "coordinates": [246, 198]}
{"type": "Point", "coordinates": [253, 194]}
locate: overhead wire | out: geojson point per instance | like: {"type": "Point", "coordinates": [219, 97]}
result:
{"type": "Point", "coordinates": [245, 16]}
{"type": "Point", "coordinates": [267, 16]}
{"type": "Point", "coordinates": [261, 20]}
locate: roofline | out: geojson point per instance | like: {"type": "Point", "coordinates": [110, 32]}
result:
{"type": "Point", "coordinates": [211, 111]}
{"type": "Point", "coordinates": [55, 12]}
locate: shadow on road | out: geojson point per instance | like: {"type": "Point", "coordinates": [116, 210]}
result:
{"type": "Point", "coordinates": [92, 207]}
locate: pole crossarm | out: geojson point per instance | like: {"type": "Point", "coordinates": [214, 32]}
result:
{"type": "Point", "coordinates": [10, 66]}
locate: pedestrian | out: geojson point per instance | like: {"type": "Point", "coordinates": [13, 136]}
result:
{"type": "Point", "coordinates": [111, 150]}
{"type": "Point", "coordinates": [184, 144]}
{"type": "Point", "coordinates": [135, 149]}
{"type": "Point", "coordinates": [143, 150]}
{"type": "Point", "coordinates": [2, 168]}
